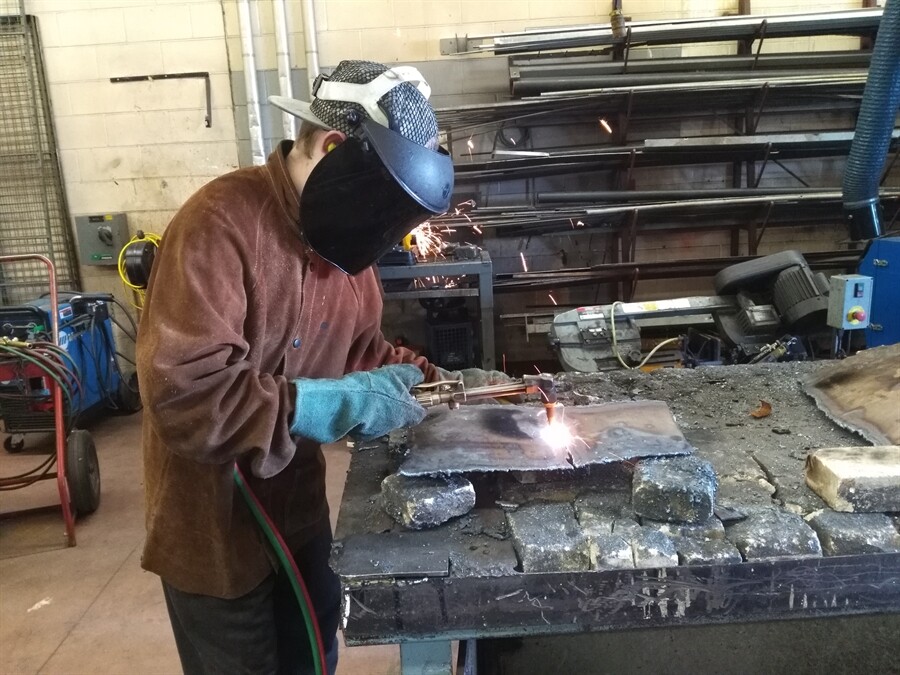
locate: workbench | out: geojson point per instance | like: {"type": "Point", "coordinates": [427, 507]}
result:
{"type": "Point", "coordinates": [461, 581]}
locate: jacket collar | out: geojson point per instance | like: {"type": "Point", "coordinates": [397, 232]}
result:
{"type": "Point", "coordinates": [285, 192]}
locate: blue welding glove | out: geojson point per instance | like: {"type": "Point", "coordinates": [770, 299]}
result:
{"type": "Point", "coordinates": [362, 405]}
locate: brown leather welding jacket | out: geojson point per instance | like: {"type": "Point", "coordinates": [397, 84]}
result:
{"type": "Point", "coordinates": [237, 307]}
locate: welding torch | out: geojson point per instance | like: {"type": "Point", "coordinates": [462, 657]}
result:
{"type": "Point", "coordinates": [454, 393]}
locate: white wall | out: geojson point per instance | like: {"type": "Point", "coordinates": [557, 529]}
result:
{"type": "Point", "coordinates": [141, 147]}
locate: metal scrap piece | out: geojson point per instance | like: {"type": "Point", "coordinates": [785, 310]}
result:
{"type": "Point", "coordinates": [417, 502]}
{"type": "Point", "coordinates": [509, 438]}
{"type": "Point", "coordinates": [862, 393]}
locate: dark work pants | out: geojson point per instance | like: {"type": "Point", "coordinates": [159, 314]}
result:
{"type": "Point", "coordinates": [262, 632]}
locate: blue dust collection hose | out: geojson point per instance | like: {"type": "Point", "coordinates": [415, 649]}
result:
{"type": "Point", "coordinates": [874, 126]}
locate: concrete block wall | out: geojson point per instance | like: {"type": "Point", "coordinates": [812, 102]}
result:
{"type": "Point", "coordinates": [142, 148]}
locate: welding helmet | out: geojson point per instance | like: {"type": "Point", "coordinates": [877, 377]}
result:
{"type": "Point", "coordinates": [387, 177]}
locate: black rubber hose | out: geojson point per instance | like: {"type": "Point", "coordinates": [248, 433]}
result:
{"type": "Point", "coordinates": [874, 126]}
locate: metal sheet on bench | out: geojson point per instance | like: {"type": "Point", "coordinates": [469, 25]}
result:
{"type": "Point", "coordinates": [509, 438]}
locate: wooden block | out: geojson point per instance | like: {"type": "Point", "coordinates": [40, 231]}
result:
{"type": "Point", "coordinates": [861, 479]}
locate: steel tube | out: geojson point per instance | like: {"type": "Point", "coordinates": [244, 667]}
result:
{"type": "Point", "coordinates": [527, 281]}
{"type": "Point", "coordinates": [283, 57]}
{"type": "Point", "coordinates": [661, 195]}
{"type": "Point", "coordinates": [248, 53]}
{"type": "Point", "coordinates": [572, 64]}
{"type": "Point", "coordinates": [741, 27]}
{"type": "Point", "coordinates": [534, 86]}
{"type": "Point", "coordinates": [311, 35]}
{"type": "Point", "coordinates": [674, 98]}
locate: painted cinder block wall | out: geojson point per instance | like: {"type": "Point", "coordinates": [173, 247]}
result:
{"type": "Point", "coordinates": [143, 148]}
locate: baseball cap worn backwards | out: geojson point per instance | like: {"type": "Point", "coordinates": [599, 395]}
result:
{"type": "Point", "coordinates": [388, 175]}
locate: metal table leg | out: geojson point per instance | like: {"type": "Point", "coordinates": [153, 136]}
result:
{"type": "Point", "coordinates": [426, 658]}
{"type": "Point", "coordinates": [486, 306]}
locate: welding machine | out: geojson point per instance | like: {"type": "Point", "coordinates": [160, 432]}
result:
{"type": "Point", "coordinates": [85, 333]}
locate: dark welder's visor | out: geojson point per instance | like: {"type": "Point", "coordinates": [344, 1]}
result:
{"type": "Point", "coordinates": [369, 192]}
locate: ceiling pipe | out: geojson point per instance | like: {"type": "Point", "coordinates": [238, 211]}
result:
{"type": "Point", "coordinates": [312, 43]}
{"type": "Point", "coordinates": [283, 59]}
{"type": "Point", "coordinates": [248, 53]}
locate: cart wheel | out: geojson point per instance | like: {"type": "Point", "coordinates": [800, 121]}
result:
{"type": "Point", "coordinates": [12, 447]}
{"type": "Point", "coordinates": [128, 398]}
{"type": "Point", "coordinates": [82, 472]}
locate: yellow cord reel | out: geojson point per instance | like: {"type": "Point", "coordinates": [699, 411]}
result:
{"type": "Point", "coordinates": [135, 262]}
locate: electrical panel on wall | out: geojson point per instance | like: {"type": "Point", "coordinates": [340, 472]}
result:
{"type": "Point", "coordinates": [101, 237]}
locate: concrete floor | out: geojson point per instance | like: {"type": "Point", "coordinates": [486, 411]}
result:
{"type": "Point", "coordinates": [92, 609]}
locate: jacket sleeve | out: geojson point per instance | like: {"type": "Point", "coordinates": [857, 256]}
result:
{"type": "Point", "coordinates": [202, 396]}
{"type": "Point", "coordinates": [370, 348]}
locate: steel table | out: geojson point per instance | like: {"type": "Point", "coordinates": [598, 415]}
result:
{"type": "Point", "coordinates": [460, 581]}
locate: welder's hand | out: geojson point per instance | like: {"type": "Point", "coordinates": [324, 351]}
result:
{"type": "Point", "coordinates": [360, 405]}
{"type": "Point", "coordinates": [475, 377]}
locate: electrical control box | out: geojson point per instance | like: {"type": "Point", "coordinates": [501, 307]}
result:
{"type": "Point", "coordinates": [101, 237]}
{"type": "Point", "coordinates": [849, 301]}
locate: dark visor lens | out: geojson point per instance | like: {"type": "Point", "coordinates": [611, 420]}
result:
{"type": "Point", "coordinates": [352, 211]}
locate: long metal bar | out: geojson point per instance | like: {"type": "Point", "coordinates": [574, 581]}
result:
{"type": "Point", "coordinates": [672, 98]}
{"type": "Point", "coordinates": [719, 29]}
{"type": "Point", "coordinates": [530, 281]}
{"type": "Point", "coordinates": [573, 64]}
{"type": "Point", "coordinates": [534, 86]}
{"type": "Point", "coordinates": [753, 83]}
{"type": "Point", "coordinates": [663, 152]}
{"type": "Point", "coordinates": [779, 141]}
{"type": "Point", "coordinates": [432, 293]}
{"type": "Point", "coordinates": [523, 213]}
{"type": "Point", "coordinates": [658, 195]}
{"type": "Point", "coordinates": [701, 203]}
{"type": "Point", "coordinates": [527, 222]}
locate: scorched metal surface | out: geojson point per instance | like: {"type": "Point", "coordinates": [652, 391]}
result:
{"type": "Point", "coordinates": [511, 438]}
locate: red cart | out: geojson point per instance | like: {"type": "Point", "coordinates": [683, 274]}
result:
{"type": "Point", "coordinates": [29, 368]}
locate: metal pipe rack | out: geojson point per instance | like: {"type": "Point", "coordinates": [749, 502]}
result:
{"type": "Point", "coordinates": [862, 22]}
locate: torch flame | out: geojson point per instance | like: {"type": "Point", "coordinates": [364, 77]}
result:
{"type": "Point", "coordinates": [557, 435]}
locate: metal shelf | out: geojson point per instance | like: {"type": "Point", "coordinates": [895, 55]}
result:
{"type": "Point", "coordinates": [481, 267]}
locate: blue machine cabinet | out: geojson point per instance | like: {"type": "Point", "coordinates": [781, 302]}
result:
{"type": "Point", "coordinates": [882, 263]}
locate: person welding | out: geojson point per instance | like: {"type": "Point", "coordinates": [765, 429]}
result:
{"type": "Point", "coordinates": [259, 341]}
